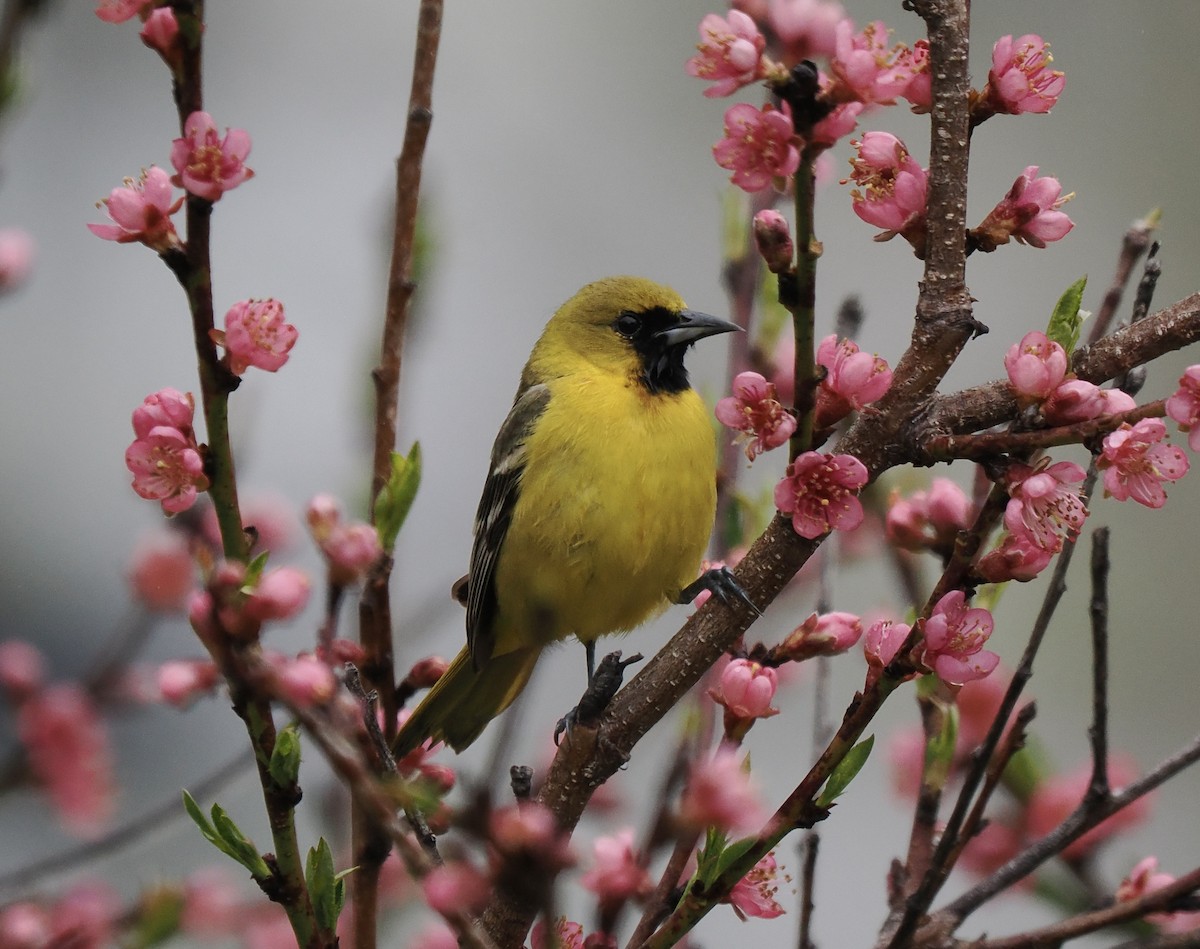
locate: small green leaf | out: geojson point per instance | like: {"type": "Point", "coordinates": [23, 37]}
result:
{"type": "Point", "coordinates": [225, 835]}
{"type": "Point", "coordinates": [1067, 318]}
{"type": "Point", "coordinates": [396, 497]}
{"type": "Point", "coordinates": [845, 772]}
{"type": "Point", "coordinates": [326, 889]}
{"type": "Point", "coordinates": [284, 766]}
{"type": "Point", "coordinates": [734, 852]}
{"type": "Point", "coordinates": [254, 571]}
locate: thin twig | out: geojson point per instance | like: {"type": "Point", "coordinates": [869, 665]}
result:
{"type": "Point", "coordinates": [1098, 733]}
{"type": "Point", "coordinates": [1133, 245]}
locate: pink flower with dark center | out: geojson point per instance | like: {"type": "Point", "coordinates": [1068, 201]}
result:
{"type": "Point", "coordinates": [208, 166]}
{"type": "Point", "coordinates": [256, 334]}
{"type": "Point", "coordinates": [720, 793]}
{"type": "Point", "coordinates": [827, 634]}
{"type": "Point", "coordinates": [754, 410]}
{"type": "Point", "coordinates": [68, 748]}
{"type": "Point", "coordinates": [163, 573]}
{"type": "Point", "coordinates": [1184, 405]}
{"type": "Point", "coordinates": [820, 492]}
{"type": "Point", "coordinates": [893, 188]}
{"type": "Point", "coordinates": [1055, 798]}
{"type": "Point", "coordinates": [1017, 558]}
{"type": "Point", "coordinates": [166, 468]}
{"type": "Point", "coordinates": [759, 145]}
{"type": "Point", "coordinates": [1021, 79]}
{"type": "Point", "coordinates": [805, 29]}
{"type": "Point", "coordinates": [746, 689]}
{"type": "Point", "coordinates": [730, 53]}
{"type": "Point", "coordinates": [1028, 214]}
{"type": "Point", "coordinates": [754, 894]}
{"type": "Point", "coordinates": [141, 211]}
{"type": "Point", "coordinates": [853, 379]}
{"type": "Point", "coordinates": [1042, 507]}
{"type": "Point", "coordinates": [1136, 463]}
{"type": "Point", "coordinates": [954, 638]}
{"type": "Point", "coordinates": [16, 257]}
{"type": "Point", "coordinates": [616, 874]}
{"type": "Point", "coordinates": [118, 11]}
{"type": "Point", "coordinates": [456, 886]}
{"type": "Point", "coordinates": [1036, 366]}
{"type": "Point", "coordinates": [866, 68]}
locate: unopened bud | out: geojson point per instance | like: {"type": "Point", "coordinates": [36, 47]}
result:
{"type": "Point", "coordinates": [774, 240]}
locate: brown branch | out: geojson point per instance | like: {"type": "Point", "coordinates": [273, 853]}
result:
{"type": "Point", "coordinates": [1133, 245]}
{"type": "Point", "coordinates": [1098, 733]}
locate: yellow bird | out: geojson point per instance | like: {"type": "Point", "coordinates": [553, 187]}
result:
{"type": "Point", "coordinates": [598, 505]}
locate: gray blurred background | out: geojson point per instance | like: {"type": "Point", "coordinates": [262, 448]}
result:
{"type": "Point", "coordinates": [567, 144]}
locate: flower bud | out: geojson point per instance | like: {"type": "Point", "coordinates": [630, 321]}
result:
{"type": "Point", "coordinates": [774, 240]}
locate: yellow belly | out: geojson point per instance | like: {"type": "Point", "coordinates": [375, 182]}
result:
{"type": "Point", "coordinates": [616, 506]}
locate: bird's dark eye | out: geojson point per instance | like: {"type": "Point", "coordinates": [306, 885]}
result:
{"type": "Point", "coordinates": [627, 325]}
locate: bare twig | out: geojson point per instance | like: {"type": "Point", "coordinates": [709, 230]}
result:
{"type": "Point", "coordinates": [1098, 733]}
{"type": "Point", "coordinates": [1133, 245]}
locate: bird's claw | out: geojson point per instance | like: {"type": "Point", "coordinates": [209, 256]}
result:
{"type": "Point", "coordinates": [720, 582]}
{"type": "Point", "coordinates": [600, 691]}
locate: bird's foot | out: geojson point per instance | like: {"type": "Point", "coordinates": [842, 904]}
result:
{"type": "Point", "coordinates": [720, 582]}
{"type": "Point", "coordinates": [600, 691]}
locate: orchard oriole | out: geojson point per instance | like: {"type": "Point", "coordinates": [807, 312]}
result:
{"type": "Point", "coordinates": [598, 505]}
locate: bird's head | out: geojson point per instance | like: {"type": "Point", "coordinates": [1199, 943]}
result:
{"type": "Point", "coordinates": [632, 326]}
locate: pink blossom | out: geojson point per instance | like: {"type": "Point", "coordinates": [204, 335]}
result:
{"type": "Point", "coordinates": [351, 549]}
{"type": "Point", "coordinates": [839, 123]}
{"type": "Point", "coordinates": [22, 670]}
{"type": "Point", "coordinates": [954, 638]}
{"type": "Point", "coordinates": [323, 514]}
{"type": "Point", "coordinates": [820, 492]}
{"type": "Point", "coordinates": [1135, 464]}
{"type": "Point", "coordinates": [167, 468]}
{"type": "Point", "coordinates": [730, 53]}
{"type": "Point", "coordinates": [182, 681]}
{"type": "Point", "coordinates": [1146, 878]}
{"type": "Point", "coordinates": [118, 11]}
{"type": "Point", "coordinates": [866, 68]}
{"type": "Point", "coordinates": [992, 847]}
{"type": "Point", "coordinates": [720, 793]}
{"type": "Point", "coordinates": [530, 831]}
{"type": "Point", "coordinates": [272, 518]}
{"type": "Point", "coordinates": [24, 926]}
{"type": "Point", "coordinates": [456, 886]}
{"type": "Point", "coordinates": [918, 90]}
{"type": "Point", "coordinates": [1074, 401]}
{"type": "Point", "coordinates": [425, 672]}
{"type": "Point", "coordinates": [1042, 508]}
{"type": "Point", "coordinates": [305, 681]}
{"type": "Point", "coordinates": [85, 916]}
{"type": "Point", "coordinates": [256, 334]}
{"type": "Point", "coordinates": [168, 407]}
{"type": "Point", "coordinates": [1017, 558]}
{"type": "Point", "coordinates": [212, 904]}
{"type": "Point", "coordinates": [893, 188]}
{"type": "Point", "coordinates": [141, 211]}
{"type": "Point", "coordinates": [853, 379]}
{"type": "Point", "coordinates": [1020, 79]}
{"type": "Point", "coordinates": [16, 257]}
{"type": "Point", "coordinates": [754, 410]}
{"type": "Point", "coordinates": [68, 748]}
{"type": "Point", "coordinates": [1036, 366]}
{"type": "Point", "coordinates": [567, 935]}
{"type": "Point", "coordinates": [162, 573]}
{"type": "Point", "coordinates": [774, 240]}
{"type": "Point", "coordinates": [280, 595]}
{"type": "Point", "coordinates": [205, 165]}
{"type": "Point", "coordinates": [1184, 405]}
{"type": "Point", "coordinates": [759, 145]}
{"type": "Point", "coordinates": [161, 34]}
{"type": "Point", "coordinates": [746, 689]}
{"type": "Point", "coordinates": [805, 29]}
{"type": "Point", "coordinates": [827, 634]}
{"type": "Point", "coordinates": [616, 873]}
{"type": "Point", "coordinates": [929, 519]}
{"type": "Point", "coordinates": [1029, 214]}
{"type": "Point", "coordinates": [1055, 798]}
{"type": "Point", "coordinates": [882, 642]}
{"type": "Point", "coordinates": [754, 894]}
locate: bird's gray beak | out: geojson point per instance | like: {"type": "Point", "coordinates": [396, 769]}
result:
{"type": "Point", "coordinates": [694, 325]}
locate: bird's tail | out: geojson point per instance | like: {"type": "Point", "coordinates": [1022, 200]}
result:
{"type": "Point", "coordinates": [465, 699]}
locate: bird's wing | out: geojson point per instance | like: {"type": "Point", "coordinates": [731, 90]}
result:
{"type": "Point", "coordinates": [500, 493]}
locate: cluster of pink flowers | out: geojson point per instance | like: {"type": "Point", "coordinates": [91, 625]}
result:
{"type": "Point", "coordinates": [820, 492]}
{"type": "Point", "coordinates": [65, 739]}
{"type": "Point", "coordinates": [164, 457]}
{"type": "Point", "coordinates": [256, 334]}
{"type": "Point", "coordinates": [755, 411]}
{"type": "Point", "coordinates": [230, 605]}
{"type": "Point", "coordinates": [929, 520]}
{"type": "Point", "coordinates": [853, 379]}
{"type": "Point", "coordinates": [348, 549]}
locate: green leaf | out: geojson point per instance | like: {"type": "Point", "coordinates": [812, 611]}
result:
{"type": "Point", "coordinates": [1067, 318]}
{"type": "Point", "coordinates": [396, 497]}
{"type": "Point", "coordinates": [225, 835]}
{"type": "Point", "coordinates": [326, 889]}
{"type": "Point", "coordinates": [734, 852]}
{"type": "Point", "coordinates": [284, 766]}
{"type": "Point", "coordinates": [845, 772]}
